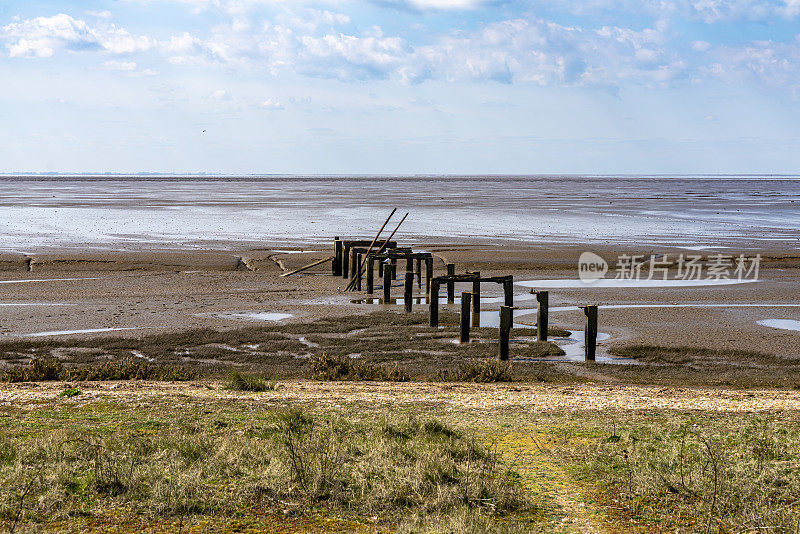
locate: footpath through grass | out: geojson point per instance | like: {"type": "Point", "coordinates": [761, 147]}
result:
{"type": "Point", "coordinates": [174, 462]}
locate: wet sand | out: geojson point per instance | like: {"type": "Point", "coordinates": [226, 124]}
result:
{"type": "Point", "coordinates": [138, 293]}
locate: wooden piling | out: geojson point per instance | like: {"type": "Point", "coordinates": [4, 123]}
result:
{"type": "Point", "coordinates": [409, 264]}
{"type": "Point", "coordinates": [590, 343]}
{"type": "Point", "coordinates": [380, 269]}
{"type": "Point", "coordinates": [353, 262]}
{"type": "Point", "coordinates": [428, 274]}
{"type": "Point", "coordinates": [394, 268]}
{"type": "Point", "coordinates": [476, 301]}
{"type": "Point", "coordinates": [508, 292]}
{"type": "Point", "coordinates": [433, 298]}
{"type": "Point", "coordinates": [336, 266]}
{"type": "Point", "coordinates": [541, 322]}
{"type": "Point", "coordinates": [506, 320]}
{"type": "Point", "coordinates": [387, 284]}
{"type": "Point", "coordinates": [357, 272]}
{"type": "Point", "coordinates": [346, 261]}
{"type": "Point", "coordinates": [408, 296]}
{"type": "Point", "coordinates": [370, 275]}
{"type": "Point", "coordinates": [419, 272]}
{"type": "Point", "coordinates": [451, 286]}
{"type": "Point", "coordinates": [466, 313]}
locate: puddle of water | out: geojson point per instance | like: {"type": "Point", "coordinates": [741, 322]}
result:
{"type": "Point", "coordinates": [85, 331]}
{"type": "Point", "coordinates": [783, 324]}
{"type": "Point", "coordinates": [307, 343]}
{"type": "Point", "coordinates": [399, 301]}
{"type": "Point", "coordinates": [142, 356]}
{"type": "Point", "coordinates": [709, 305]}
{"type": "Point", "coordinates": [46, 280]}
{"type": "Point", "coordinates": [624, 284]}
{"type": "Point", "coordinates": [702, 247]}
{"type": "Point", "coordinates": [248, 316]}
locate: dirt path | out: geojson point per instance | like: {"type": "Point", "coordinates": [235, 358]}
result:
{"type": "Point", "coordinates": [524, 397]}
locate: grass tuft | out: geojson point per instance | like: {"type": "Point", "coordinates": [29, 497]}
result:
{"type": "Point", "coordinates": [327, 367]}
{"type": "Point", "coordinates": [481, 371]}
{"type": "Point", "coordinates": [70, 392]}
{"type": "Point", "coordinates": [244, 382]}
{"type": "Point", "coordinates": [127, 368]}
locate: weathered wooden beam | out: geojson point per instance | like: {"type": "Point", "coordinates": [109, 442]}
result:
{"type": "Point", "coordinates": [590, 342]}
{"type": "Point", "coordinates": [428, 273]}
{"type": "Point", "coordinates": [387, 284]}
{"type": "Point", "coordinates": [451, 286]}
{"type": "Point", "coordinates": [543, 316]}
{"type": "Point", "coordinates": [310, 265]}
{"type": "Point", "coordinates": [466, 313]}
{"type": "Point", "coordinates": [346, 261]}
{"type": "Point", "coordinates": [434, 303]}
{"type": "Point", "coordinates": [419, 272]}
{"type": "Point", "coordinates": [353, 262]}
{"type": "Point", "coordinates": [508, 291]}
{"type": "Point", "coordinates": [506, 321]}
{"type": "Point", "coordinates": [476, 300]}
{"type": "Point", "coordinates": [370, 275]}
{"type": "Point", "coordinates": [336, 265]}
{"type": "Point", "coordinates": [357, 274]}
{"type": "Point", "coordinates": [408, 291]}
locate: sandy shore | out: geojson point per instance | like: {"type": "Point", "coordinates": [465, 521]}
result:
{"type": "Point", "coordinates": [136, 293]}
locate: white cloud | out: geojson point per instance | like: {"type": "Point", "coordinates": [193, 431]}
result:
{"type": "Point", "coordinates": [700, 46]}
{"type": "Point", "coordinates": [221, 94]}
{"type": "Point", "coordinates": [100, 14]}
{"type": "Point", "coordinates": [122, 66]}
{"type": "Point", "coordinates": [129, 69]}
{"type": "Point", "coordinates": [43, 36]}
{"type": "Point", "coordinates": [791, 9]}
{"type": "Point", "coordinates": [433, 4]}
{"type": "Point", "coordinates": [271, 104]}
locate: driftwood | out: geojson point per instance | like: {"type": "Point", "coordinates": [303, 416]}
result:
{"type": "Point", "coordinates": [310, 265]}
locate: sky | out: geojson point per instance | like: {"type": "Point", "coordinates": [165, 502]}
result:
{"type": "Point", "coordinates": [400, 86]}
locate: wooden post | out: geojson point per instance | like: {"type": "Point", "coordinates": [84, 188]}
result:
{"type": "Point", "coordinates": [451, 286]}
{"type": "Point", "coordinates": [408, 297]}
{"type": "Point", "coordinates": [353, 262]}
{"type": "Point", "coordinates": [508, 292]}
{"type": "Point", "coordinates": [409, 264]}
{"type": "Point", "coordinates": [466, 312]}
{"type": "Point", "coordinates": [370, 275]}
{"type": "Point", "coordinates": [476, 300]}
{"type": "Point", "coordinates": [428, 273]}
{"type": "Point", "coordinates": [590, 343]}
{"type": "Point", "coordinates": [346, 262]}
{"type": "Point", "coordinates": [357, 273]}
{"type": "Point", "coordinates": [419, 272]}
{"type": "Point", "coordinates": [542, 319]}
{"type": "Point", "coordinates": [387, 285]}
{"type": "Point", "coordinates": [336, 266]}
{"type": "Point", "coordinates": [380, 269]}
{"type": "Point", "coordinates": [506, 320]}
{"type": "Point", "coordinates": [434, 303]}
{"type": "Point", "coordinates": [394, 268]}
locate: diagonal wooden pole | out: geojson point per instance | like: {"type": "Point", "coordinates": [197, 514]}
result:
{"type": "Point", "coordinates": [352, 283]}
{"type": "Point", "coordinates": [357, 274]}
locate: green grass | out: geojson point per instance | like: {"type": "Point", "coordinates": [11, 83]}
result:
{"type": "Point", "coordinates": [245, 382]}
{"type": "Point", "coordinates": [165, 465]}
{"type": "Point", "coordinates": [70, 392]}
